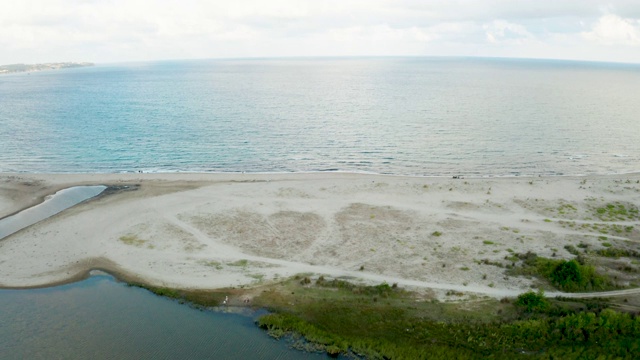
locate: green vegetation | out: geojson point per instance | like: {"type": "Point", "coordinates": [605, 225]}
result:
{"type": "Point", "coordinates": [241, 263]}
{"type": "Point", "coordinates": [533, 302]}
{"type": "Point", "coordinates": [488, 242]}
{"type": "Point", "coordinates": [584, 335]}
{"type": "Point", "coordinates": [212, 263]}
{"type": "Point", "coordinates": [258, 277]}
{"type": "Point", "coordinates": [617, 212]}
{"type": "Point", "coordinates": [568, 276]}
{"type": "Point", "coordinates": [436, 233]}
{"type": "Point", "coordinates": [601, 228]}
{"type": "Point", "coordinates": [194, 297]}
{"type": "Point", "coordinates": [572, 250]}
{"type": "Point", "coordinates": [565, 208]}
{"type": "Point", "coordinates": [342, 321]}
{"type": "Point", "coordinates": [387, 322]}
{"type": "Point", "coordinates": [132, 240]}
{"type": "Point", "coordinates": [383, 290]}
{"type": "Point", "coordinates": [617, 253]}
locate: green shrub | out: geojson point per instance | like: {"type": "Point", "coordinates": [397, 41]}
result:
{"type": "Point", "coordinates": [533, 302]}
{"type": "Point", "coordinates": [569, 276]}
{"type": "Point", "coordinates": [572, 276]}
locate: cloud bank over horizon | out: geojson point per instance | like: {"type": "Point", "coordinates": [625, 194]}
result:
{"type": "Point", "coordinates": [33, 31]}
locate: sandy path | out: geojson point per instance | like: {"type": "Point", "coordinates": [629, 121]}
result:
{"type": "Point", "coordinates": [221, 230]}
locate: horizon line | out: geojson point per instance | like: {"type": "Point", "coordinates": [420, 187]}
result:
{"type": "Point", "coordinates": [320, 57]}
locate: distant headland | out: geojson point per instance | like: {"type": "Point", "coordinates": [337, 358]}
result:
{"type": "Point", "coordinates": [14, 68]}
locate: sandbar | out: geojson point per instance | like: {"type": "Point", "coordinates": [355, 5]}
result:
{"type": "Point", "coordinates": [212, 231]}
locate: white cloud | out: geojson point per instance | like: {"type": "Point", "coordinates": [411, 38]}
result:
{"type": "Point", "coordinates": [614, 30]}
{"type": "Point", "coordinates": [503, 31]}
{"type": "Point", "coordinates": [128, 30]}
{"type": "Point", "coordinates": [381, 33]}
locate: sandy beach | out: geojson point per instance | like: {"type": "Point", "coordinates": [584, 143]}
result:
{"type": "Point", "coordinates": [209, 231]}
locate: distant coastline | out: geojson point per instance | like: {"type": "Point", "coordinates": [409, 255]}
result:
{"type": "Point", "coordinates": [15, 68]}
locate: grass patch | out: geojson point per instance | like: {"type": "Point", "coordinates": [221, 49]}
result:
{"type": "Point", "coordinates": [345, 322]}
{"type": "Point", "coordinates": [617, 211]}
{"type": "Point", "coordinates": [618, 253]}
{"type": "Point", "coordinates": [566, 208]}
{"type": "Point", "coordinates": [196, 298]}
{"type": "Point", "coordinates": [213, 264]}
{"type": "Point", "coordinates": [436, 233]}
{"type": "Point", "coordinates": [572, 250]}
{"type": "Point", "coordinates": [383, 290]}
{"type": "Point", "coordinates": [132, 240]}
{"type": "Point", "coordinates": [241, 263]}
{"type": "Point", "coordinates": [488, 242]}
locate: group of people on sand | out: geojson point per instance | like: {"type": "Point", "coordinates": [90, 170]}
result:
{"type": "Point", "coordinates": [245, 300]}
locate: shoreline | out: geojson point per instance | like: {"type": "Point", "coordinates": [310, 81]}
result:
{"type": "Point", "coordinates": [266, 227]}
{"type": "Point", "coordinates": [67, 180]}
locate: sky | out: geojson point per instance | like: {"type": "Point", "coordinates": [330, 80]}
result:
{"type": "Point", "coordinates": [107, 31]}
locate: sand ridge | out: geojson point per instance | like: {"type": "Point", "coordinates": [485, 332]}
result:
{"type": "Point", "coordinates": [227, 230]}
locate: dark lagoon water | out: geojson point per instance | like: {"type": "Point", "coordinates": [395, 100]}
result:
{"type": "Point", "coordinates": [99, 318]}
{"type": "Point", "coordinates": [412, 116]}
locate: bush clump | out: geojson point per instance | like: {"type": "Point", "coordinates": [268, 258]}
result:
{"type": "Point", "coordinates": [533, 302]}
{"type": "Point", "coordinates": [571, 276]}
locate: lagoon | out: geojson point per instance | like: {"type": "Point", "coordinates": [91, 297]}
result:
{"type": "Point", "coordinates": [100, 318]}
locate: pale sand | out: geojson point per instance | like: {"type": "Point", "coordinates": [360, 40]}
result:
{"type": "Point", "coordinates": [227, 230]}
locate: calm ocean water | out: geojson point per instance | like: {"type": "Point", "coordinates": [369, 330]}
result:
{"type": "Point", "coordinates": [410, 116]}
{"type": "Point", "coordinates": [100, 319]}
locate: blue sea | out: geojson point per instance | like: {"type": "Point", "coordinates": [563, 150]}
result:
{"type": "Point", "coordinates": [405, 116]}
